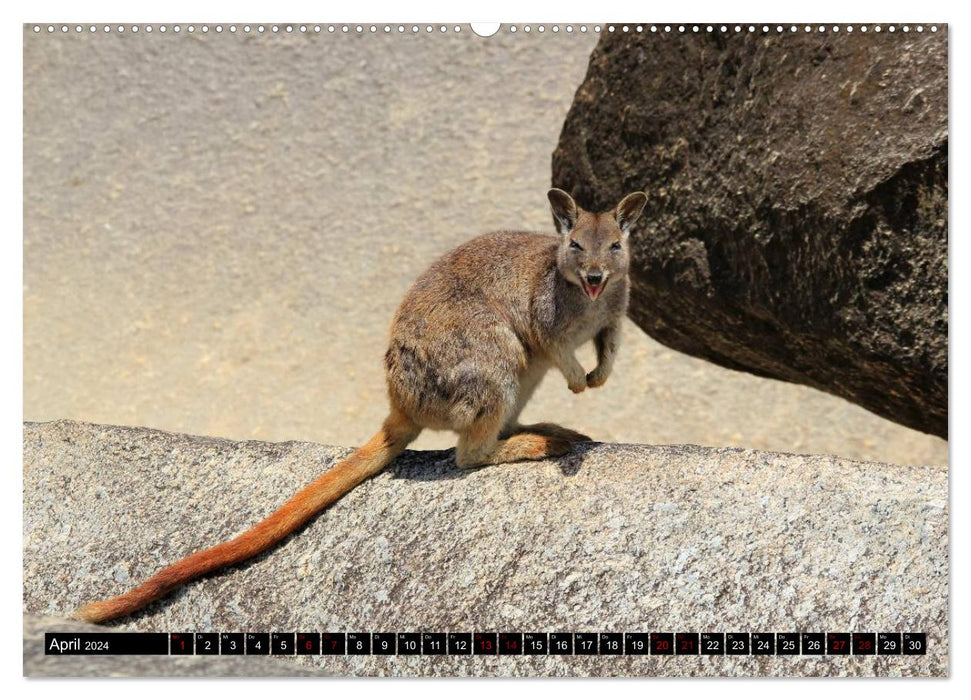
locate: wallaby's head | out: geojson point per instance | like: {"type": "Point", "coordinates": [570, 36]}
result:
{"type": "Point", "coordinates": [594, 247]}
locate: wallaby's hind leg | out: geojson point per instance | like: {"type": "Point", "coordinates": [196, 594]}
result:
{"type": "Point", "coordinates": [550, 429]}
{"type": "Point", "coordinates": [480, 445]}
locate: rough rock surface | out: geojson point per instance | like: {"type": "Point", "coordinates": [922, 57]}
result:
{"type": "Point", "coordinates": [610, 538]}
{"type": "Point", "coordinates": [797, 225]}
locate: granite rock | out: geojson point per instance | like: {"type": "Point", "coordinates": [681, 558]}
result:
{"type": "Point", "coordinates": [613, 538]}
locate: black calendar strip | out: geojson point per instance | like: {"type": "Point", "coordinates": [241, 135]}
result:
{"type": "Point", "coordinates": [486, 643]}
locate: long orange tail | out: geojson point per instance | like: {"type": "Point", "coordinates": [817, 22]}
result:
{"type": "Point", "coordinates": [395, 435]}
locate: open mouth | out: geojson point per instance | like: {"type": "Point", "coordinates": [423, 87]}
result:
{"type": "Point", "coordinates": [593, 290]}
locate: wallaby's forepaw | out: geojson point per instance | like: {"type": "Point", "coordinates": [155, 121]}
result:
{"type": "Point", "coordinates": [596, 378]}
{"type": "Point", "coordinates": [578, 387]}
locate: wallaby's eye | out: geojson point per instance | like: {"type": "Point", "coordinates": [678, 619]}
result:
{"type": "Point", "coordinates": [575, 245]}
{"type": "Point", "coordinates": [616, 246]}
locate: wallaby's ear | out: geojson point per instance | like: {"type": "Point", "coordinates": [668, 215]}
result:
{"type": "Point", "coordinates": [564, 210]}
{"type": "Point", "coordinates": [629, 209]}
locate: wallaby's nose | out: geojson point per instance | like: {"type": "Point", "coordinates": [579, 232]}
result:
{"type": "Point", "coordinates": [595, 278]}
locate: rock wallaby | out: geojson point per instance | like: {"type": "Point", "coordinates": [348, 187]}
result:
{"type": "Point", "coordinates": [469, 344]}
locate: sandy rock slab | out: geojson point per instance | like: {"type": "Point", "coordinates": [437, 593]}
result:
{"type": "Point", "coordinates": [612, 538]}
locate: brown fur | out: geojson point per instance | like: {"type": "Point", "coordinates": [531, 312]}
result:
{"type": "Point", "coordinates": [469, 344]}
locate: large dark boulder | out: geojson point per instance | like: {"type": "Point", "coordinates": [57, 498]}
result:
{"type": "Point", "coordinates": [797, 223]}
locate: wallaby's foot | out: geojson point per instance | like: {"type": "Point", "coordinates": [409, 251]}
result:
{"type": "Point", "coordinates": [477, 450]}
{"type": "Point", "coordinates": [530, 446]}
{"type": "Point", "coordinates": [553, 430]}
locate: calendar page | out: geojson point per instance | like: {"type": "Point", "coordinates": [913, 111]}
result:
{"type": "Point", "coordinates": [516, 350]}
